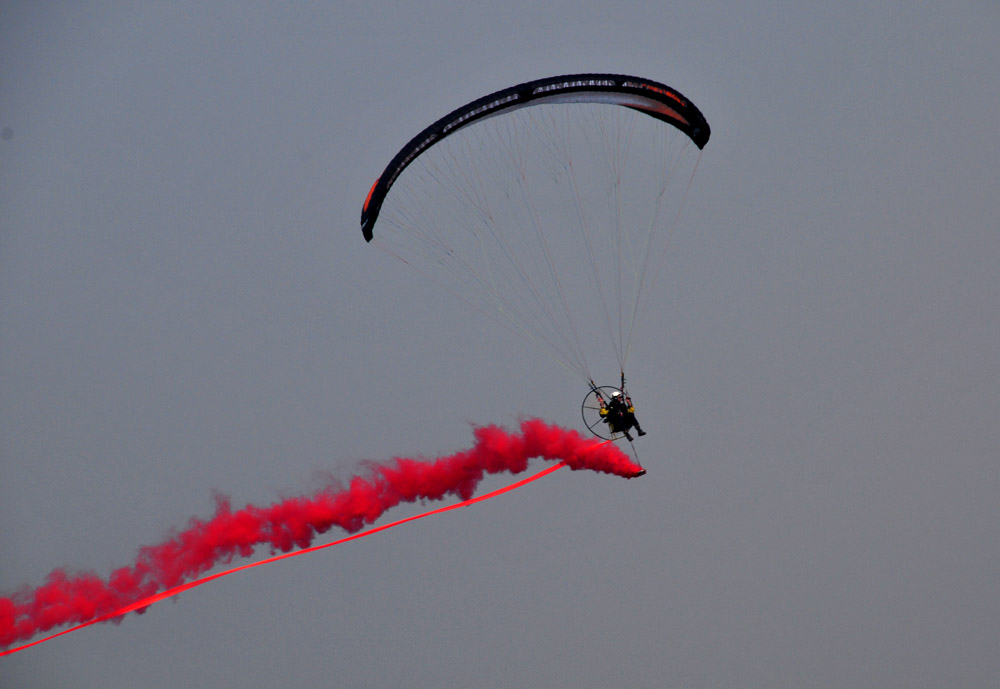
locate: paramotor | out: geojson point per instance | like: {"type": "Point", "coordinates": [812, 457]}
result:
{"type": "Point", "coordinates": [547, 205]}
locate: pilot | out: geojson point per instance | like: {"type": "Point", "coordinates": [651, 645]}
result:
{"type": "Point", "coordinates": [619, 414]}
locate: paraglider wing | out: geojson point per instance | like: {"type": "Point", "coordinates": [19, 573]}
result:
{"type": "Point", "coordinates": [650, 97]}
{"type": "Point", "coordinates": [548, 206]}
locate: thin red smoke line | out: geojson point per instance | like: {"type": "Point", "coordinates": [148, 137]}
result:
{"type": "Point", "coordinates": [149, 600]}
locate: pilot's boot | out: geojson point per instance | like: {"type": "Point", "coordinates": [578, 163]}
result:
{"type": "Point", "coordinates": [627, 436]}
{"type": "Point", "coordinates": [639, 430]}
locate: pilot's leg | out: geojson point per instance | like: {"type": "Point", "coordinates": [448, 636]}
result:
{"type": "Point", "coordinates": [638, 428]}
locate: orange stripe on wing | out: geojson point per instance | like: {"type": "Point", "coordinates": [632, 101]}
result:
{"type": "Point", "coordinates": [370, 192]}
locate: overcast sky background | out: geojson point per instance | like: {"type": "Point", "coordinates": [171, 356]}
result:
{"type": "Point", "coordinates": [187, 306]}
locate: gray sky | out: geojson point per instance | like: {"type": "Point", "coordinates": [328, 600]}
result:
{"type": "Point", "coordinates": [187, 306]}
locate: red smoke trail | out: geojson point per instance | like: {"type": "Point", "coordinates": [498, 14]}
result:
{"type": "Point", "coordinates": [162, 570]}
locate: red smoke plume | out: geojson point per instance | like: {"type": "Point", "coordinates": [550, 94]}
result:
{"type": "Point", "coordinates": [293, 523]}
